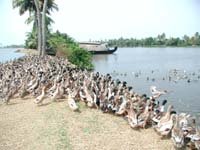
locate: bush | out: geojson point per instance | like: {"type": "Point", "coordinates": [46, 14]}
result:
{"type": "Point", "coordinates": [62, 45]}
{"type": "Point", "coordinates": [65, 46]}
{"type": "Point", "coordinates": [81, 58]}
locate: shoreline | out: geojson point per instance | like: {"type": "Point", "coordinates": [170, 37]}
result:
{"type": "Point", "coordinates": [27, 51]}
{"type": "Point", "coordinates": [74, 78]}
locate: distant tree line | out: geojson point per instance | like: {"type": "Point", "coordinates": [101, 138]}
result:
{"type": "Point", "coordinates": [160, 40]}
{"type": "Point", "coordinates": [13, 46]}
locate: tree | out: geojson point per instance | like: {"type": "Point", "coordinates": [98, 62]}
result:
{"type": "Point", "coordinates": [186, 40]}
{"type": "Point", "coordinates": [31, 41]}
{"type": "Point", "coordinates": [44, 27]}
{"type": "Point", "coordinates": [39, 27]}
{"type": "Point", "coordinates": [24, 6]}
{"type": "Point", "coordinates": [36, 9]}
{"type": "Point", "coordinates": [197, 39]}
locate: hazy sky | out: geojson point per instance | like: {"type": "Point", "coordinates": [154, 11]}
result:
{"type": "Point", "coordinates": [105, 19]}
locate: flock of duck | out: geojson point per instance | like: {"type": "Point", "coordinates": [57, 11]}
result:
{"type": "Point", "coordinates": [55, 78]}
{"type": "Point", "coordinates": [173, 75]}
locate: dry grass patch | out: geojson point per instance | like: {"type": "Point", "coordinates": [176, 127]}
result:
{"type": "Point", "coordinates": [24, 125]}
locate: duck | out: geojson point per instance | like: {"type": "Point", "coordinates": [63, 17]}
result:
{"type": "Point", "coordinates": [34, 87]}
{"type": "Point", "coordinates": [8, 97]}
{"type": "Point", "coordinates": [197, 138]}
{"type": "Point", "coordinates": [158, 111]}
{"type": "Point", "coordinates": [156, 93]}
{"type": "Point", "coordinates": [71, 102]}
{"type": "Point", "coordinates": [82, 95]}
{"type": "Point", "coordinates": [23, 91]}
{"type": "Point", "coordinates": [53, 88]}
{"type": "Point", "coordinates": [122, 107]}
{"type": "Point", "coordinates": [177, 135]}
{"type": "Point", "coordinates": [61, 91]}
{"type": "Point", "coordinates": [55, 94]}
{"type": "Point", "coordinates": [165, 128]}
{"type": "Point", "coordinates": [41, 97]}
{"type": "Point", "coordinates": [132, 117]}
{"type": "Point", "coordinates": [144, 118]}
{"type": "Point", "coordinates": [165, 124]}
{"type": "Point", "coordinates": [89, 100]}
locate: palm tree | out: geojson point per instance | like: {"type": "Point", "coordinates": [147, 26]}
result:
{"type": "Point", "coordinates": [44, 27]}
{"type": "Point", "coordinates": [35, 9]}
{"type": "Point", "coordinates": [24, 6]}
{"type": "Point", "coordinates": [44, 7]}
{"type": "Point", "coordinates": [39, 27]}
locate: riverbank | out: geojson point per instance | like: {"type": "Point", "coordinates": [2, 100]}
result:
{"type": "Point", "coordinates": [27, 51]}
{"type": "Point", "coordinates": [47, 81]}
{"type": "Point", "coordinates": [24, 125]}
{"type": "Point", "coordinates": [53, 125]}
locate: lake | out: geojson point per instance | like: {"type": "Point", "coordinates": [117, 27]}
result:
{"type": "Point", "coordinates": [9, 54]}
{"type": "Point", "coordinates": [174, 69]}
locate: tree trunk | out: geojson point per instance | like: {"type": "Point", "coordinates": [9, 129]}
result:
{"type": "Point", "coordinates": [39, 29]}
{"type": "Point", "coordinates": [44, 27]}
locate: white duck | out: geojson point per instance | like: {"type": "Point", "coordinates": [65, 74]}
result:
{"type": "Point", "coordinates": [165, 124]}
{"type": "Point", "coordinates": [71, 102]}
{"type": "Point", "coordinates": [177, 135]}
{"type": "Point", "coordinates": [41, 97]}
{"type": "Point", "coordinates": [156, 93]}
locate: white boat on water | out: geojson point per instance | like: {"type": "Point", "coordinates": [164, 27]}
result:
{"type": "Point", "coordinates": [97, 48]}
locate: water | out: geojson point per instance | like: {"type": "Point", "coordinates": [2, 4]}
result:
{"type": "Point", "coordinates": [174, 69]}
{"type": "Point", "coordinates": [135, 65]}
{"type": "Point", "coordinates": [7, 54]}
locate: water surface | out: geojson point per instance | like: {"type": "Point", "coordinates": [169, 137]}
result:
{"type": "Point", "coordinates": [174, 69]}
{"type": "Point", "coordinates": [7, 54]}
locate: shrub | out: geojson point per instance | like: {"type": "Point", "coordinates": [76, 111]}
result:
{"type": "Point", "coordinates": [62, 45]}
{"type": "Point", "coordinates": [65, 46]}
{"type": "Point", "coordinates": [81, 58]}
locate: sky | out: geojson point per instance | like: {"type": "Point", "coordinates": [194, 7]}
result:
{"type": "Point", "coordinates": [107, 19]}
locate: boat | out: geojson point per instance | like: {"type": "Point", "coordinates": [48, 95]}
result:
{"type": "Point", "coordinates": [97, 48]}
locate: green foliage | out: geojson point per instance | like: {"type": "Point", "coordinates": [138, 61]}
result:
{"type": "Point", "coordinates": [61, 43]}
{"type": "Point", "coordinates": [160, 40]}
{"type": "Point", "coordinates": [31, 41]}
{"type": "Point", "coordinates": [64, 45]}
{"type": "Point", "coordinates": [81, 58]}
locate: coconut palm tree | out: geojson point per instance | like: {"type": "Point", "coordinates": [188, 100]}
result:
{"type": "Point", "coordinates": [39, 27]}
{"type": "Point", "coordinates": [44, 27]}
{"type": "Point", "coordinates": [44, 7]}
{"type": "Point", "coordinates": [36, 9]}
{"type": "Point", "coordinates": [24, 6]}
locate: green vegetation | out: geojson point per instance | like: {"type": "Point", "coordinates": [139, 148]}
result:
{"type": "Point", "coordinates": [81, 58]}
{"type": "Point", "coordinates": [46, 42]}
{"type": "Point", "coordinates": [158, 41]}
{"type": "Point", "coordinates": [39, 11]}
{"type": "Point", "coordinates": [63, 45]}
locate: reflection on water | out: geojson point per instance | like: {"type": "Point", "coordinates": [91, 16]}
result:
{"type": "Point", "coordinates": [99, 58]}
{"type": "Point", "coordinates": [174, 69]}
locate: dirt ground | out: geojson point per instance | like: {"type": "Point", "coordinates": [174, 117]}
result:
{"type": "Point", "coordinates": [53, 126]}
